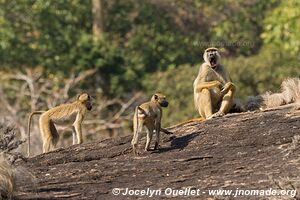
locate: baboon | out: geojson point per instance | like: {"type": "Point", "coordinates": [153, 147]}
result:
{"type": "Point", "coordinates": [290, 93]}
{"type": "Point", "coordinates": [69, 113]}
{"type": "Point", "coordinates": [7, 179]}
{"type": "Point", "coordinates": [213, 88]}
{"type": "Point", "coordinates": [148, 115]}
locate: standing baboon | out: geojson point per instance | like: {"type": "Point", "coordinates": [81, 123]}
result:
{"type": "Point", "coordinates": [148, 115]}
{"type": "Point", "coordinates": [69, 113]}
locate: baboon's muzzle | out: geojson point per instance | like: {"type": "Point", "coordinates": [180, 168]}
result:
{"type": "Point", "coordinates": [213, 60]}
{"type": "Point", "coordinates": [89, 106]}
{"type": "Point", "coordinates": [164, 104]}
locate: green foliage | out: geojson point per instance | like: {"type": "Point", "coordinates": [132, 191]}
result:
{"type": "Point", "coordinates": [152, 44]}
{"type": "Point", "coordinates": [156, 42]}
{"type": "Point", "coordinates": [108, 58]}
{"type": "Point", "coordinates": [235, 25]}
{"type": "Point", "coordinates": [282, 27]}
{"type": "Point", "coordinates": [41, 33]}
{"type": "Point", "coordinates": [262, 72]}
{"type": "Point", "coordinates": [57, 35]}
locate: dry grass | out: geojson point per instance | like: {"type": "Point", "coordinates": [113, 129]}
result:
{"type": "Point", "coordinates": [8, 173]}
{"type": "Point", "coordinates": [292, 146]}
{"type": "Point", "coordinates": [286, 184]}
{"type": "Point", "coordinates": [7, 178]}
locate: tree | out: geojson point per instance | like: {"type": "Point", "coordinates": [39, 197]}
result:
{"type": "Point", "coordinates": [282, 27]}
{"type": "Point", "coordinates": [97, 10]}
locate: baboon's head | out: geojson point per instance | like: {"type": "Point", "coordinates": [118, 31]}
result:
{"type": "Point", "coordinates": [85, 98]}
{"type": "Point", "coordinates": [212, 57]}
{"type": "Point", "coordinates": [160, 99]}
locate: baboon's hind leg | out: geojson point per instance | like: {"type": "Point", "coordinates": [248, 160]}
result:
{"type": "Point", "coordinates": [49, 133]}
{"type": "Point", "coordinates": [205, 110]}
{"type": "Point", "coordinates": [157, 133]}
{"type": "Point", "coordinates": [137, 128]}
{"type": "Point", "coordinates": [55, 136]}
{"type": "Point", "coordinates": [149, 137]}
{"type": "Point", "coordinates": [46, 135]}
{"type": "Point", "coordinates": [227, 102]}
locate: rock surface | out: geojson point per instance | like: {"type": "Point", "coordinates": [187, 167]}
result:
{"type": "Point", "coordinates": [253, 150]}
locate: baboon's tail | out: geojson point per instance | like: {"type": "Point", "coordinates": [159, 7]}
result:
{"type": "Point", "coordinates": [290, 93]}
{"type": "Point", "coordinates": [200, 119]}
{"type": "Point", "coordinates": [28, 128]}
{"type": "Point", "coordinates": [135, 125]}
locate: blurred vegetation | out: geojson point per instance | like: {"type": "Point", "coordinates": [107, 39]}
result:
{"type": "Point", "coordinates": [154, 45]}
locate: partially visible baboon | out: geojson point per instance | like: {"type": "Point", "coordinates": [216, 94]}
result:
{"type": "Point", "coordinates": [290, 93]}
{"type": "Point", "coordinates": [213, 88]}
{"type": "Point", "coordinates": [69, 113]}
{"type": "Point", "coordinates": [7, 179]}
{"type": "Point", "coordinates": [148, 115]}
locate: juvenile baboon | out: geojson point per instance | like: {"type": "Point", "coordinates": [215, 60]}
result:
{"type": "Point", "coordinates": [69, 113]}
{"type": "Point", "coordinates": [290, 93]}
{"type": "Point", "coordinates": [213, 88]}
{"type": "Point", "coordinates": [148, 115]}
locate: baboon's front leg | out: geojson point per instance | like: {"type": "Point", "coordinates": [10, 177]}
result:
{"type": "Point", "coordinates": [149, 138]}
{"type": "Point", "coordinates": [157, 132]}
{"type": "Point", "coordinates": [74, 135]}
{"type": "Point", "coordinates": [77, 127]}
{"type": "Point", "coordinates": [227, 100]}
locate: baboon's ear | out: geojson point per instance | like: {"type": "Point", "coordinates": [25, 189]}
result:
{"type": "Point", "coordinates": [83, 97]}
{"type": "Point", "coordinates": [155, 97]}
{"type": "Point", "coordinates": [139, 108]}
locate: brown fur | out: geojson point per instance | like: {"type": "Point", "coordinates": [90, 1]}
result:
{"type": "Point", "coordinates": [213, 88]}
{"type": "Point", "coordinates": [290, 93]}
{"type": "Point", "coordinates": [69, 113]}
{"type": "Point", "coordinates": [148, 115]}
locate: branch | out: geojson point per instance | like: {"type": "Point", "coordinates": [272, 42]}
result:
{"type": "Point", "coordinates": [74, 81]}
{"type": "Point", "coordinates": [125, 107]}
{"type": "Point", "coordinates": [4, 100]}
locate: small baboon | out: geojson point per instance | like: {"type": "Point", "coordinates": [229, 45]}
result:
{"type": "Point", "coordinates": [290, 93]}
{"type": "Point", "coordinates": [148, 115]}
{"type": "Point", "coordinates": [69, 113]}
{"type": "Point", "coordinates": [213, 88]}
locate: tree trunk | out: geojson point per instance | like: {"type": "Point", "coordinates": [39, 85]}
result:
{"type": "Point", "coordinates": [97, 10]}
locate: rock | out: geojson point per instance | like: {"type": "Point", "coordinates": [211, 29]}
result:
{"type": "Point", "coordinates": [250, 150]}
